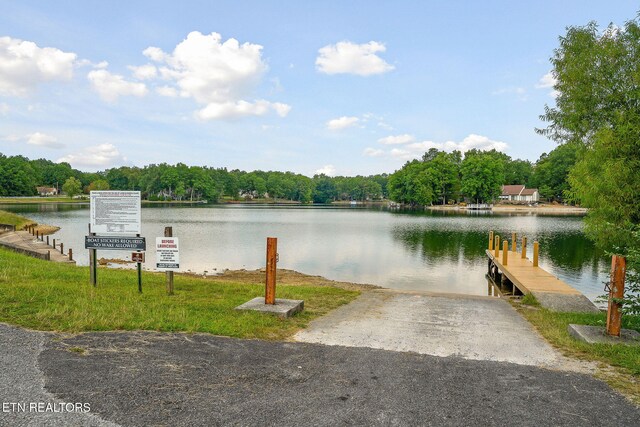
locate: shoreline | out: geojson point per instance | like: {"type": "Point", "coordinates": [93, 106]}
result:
{"type": "Point", "coordinates": [543, 209]}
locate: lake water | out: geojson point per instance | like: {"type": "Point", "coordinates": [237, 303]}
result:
{"type": "Point", "coordinates": [434, 251]}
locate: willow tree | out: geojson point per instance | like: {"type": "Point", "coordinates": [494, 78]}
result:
{"type": "Point", "coordinates": [597, 107]}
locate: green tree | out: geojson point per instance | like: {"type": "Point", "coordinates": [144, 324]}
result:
{"type": "Point", "coordinates": [598, 109]}
{"type": "Point", "coordinates": [551, 172]}
{"type": "Point", "coordinates": [482, 175]}
{"type": "Point", "coordinates": [99, 185]}
{"type": "Point", "coordinates": [72, 187]}
{"type": "Point", "coordinates": [412, 185]}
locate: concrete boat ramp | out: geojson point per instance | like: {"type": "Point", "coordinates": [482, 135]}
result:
{"type": "Point", "coordinates": [476, 328]}
{"type": "Point", "coordinates": [24, 242]}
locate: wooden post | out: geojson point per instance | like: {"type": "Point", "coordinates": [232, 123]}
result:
{"type": "Point", "coordinates": [168, 232]}
{"type": "Point", "coordinates": [54, 243]}
{"type": "Point", "coordinates": [514, 242]}
{"type": "Point", "coordinates": [70, 254]}
{"type": "Point", "coordinates": [139, 268]}
{"type": "Point", "coordinates": [497, 247]}
{"type": "Point", "coordinates": [616, 292]}
{"type": "Point", "coordinates": [62, 248]}
{"type": "Point", "coordinates": [491, 240]}
{"type": "Point", "coordinates": [270, 284]}
{"type": "Point", "coordinates": [505, 252]}
{"type": "Point", "coordinates": [47, 240]}
{"type": "Point", "coordinates": [524, 247]}
{"type": "Point", "coordinates": [93, 262]}
{"type": "Point", "coordinates": [536, 247]}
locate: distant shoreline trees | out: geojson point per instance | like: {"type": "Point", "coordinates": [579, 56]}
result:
{"type": "Point", "coordinates": [20, 176]}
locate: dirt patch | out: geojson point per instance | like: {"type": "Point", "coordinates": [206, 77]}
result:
{"type": "Point", "coordinates": [107, 261]}
{"type": "Point", "coordinates": [284, 277]}
{"type": "Point", "coordinates": [46, 229]}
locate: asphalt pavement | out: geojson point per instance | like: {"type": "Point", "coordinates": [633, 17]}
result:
{"type": "Point", "coordinates": [146, 378]}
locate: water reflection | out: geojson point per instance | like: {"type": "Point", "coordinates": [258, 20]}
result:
{"type": "Point", "coordinates": [436, 251]}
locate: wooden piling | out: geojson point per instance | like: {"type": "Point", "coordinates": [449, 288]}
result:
{"type": "Point", "coordinates": [168, 232]}
{"type": "Point", "coordinates": [505, 252]}
{"type": "Point", "coordinates": [524, 247]}
{"type": "Point", "coordinates": [497, 246]}
{"type": "Point", "coordinates": [62, 248]}
{"type": "Point", "coordinates": [536, 247]}
{"type": "Point", "coordinates": [270, 283]}
{"type": "Point", "coordinates": [616, 293]}
{"type": "Point", "coordinates": [514, 243]}
{"type": "Point", "coordinates": [491, 240]}
{"type": "Point", "coordinates": [47, 240]}
{"type": "Point", "coordinates": [70, 254]}
{"type": "Point", "coordinates": [54, 243]}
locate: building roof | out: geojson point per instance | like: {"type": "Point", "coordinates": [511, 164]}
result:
{"type": "Point", "coordinates": [528, 191]}
{"type": "Point", "coordinates": [512, 190]}
{"type": "Point", "coordinates": [47, 189]}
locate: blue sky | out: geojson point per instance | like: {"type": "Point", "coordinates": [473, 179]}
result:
{"type": "Point", "coordinates": [341, 87]}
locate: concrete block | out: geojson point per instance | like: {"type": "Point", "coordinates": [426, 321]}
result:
{"type": "Point", "coordinates": [282, 308]}
{"type": "Point", "coordinates": [565, 302]}
{"type": "Point", "coordinates": [598, 335]}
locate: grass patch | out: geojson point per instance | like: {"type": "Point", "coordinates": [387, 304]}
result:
{"type": "Point", "coordinates": [12, 219]}
{"type": "Point", "coordinates": [531, 300]}
{"type": "Point", "coordinates": [53, 296]}
{"type": "Point", "coordinates": [624, 359]}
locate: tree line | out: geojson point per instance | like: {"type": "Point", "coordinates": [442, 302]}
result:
{"type": "Point", "coordinates": [20, 176]}
{"type": "Point", "coordinates": [442, 178]}
{"type": "Point", "coordinates": [437, 178]}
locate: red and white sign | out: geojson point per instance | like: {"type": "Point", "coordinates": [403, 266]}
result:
{"type": "Point", "coordinates": [167, 254]}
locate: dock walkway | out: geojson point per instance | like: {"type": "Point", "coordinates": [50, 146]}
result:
{"type": "Point", "coordinates": [523, 277]}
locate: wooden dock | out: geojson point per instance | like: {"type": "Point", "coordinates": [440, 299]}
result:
{"type": "Point", "coordinates": [514, 273]}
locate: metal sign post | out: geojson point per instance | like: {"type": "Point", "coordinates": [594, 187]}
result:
{"type": "Point", "coordinates": [112, 214]}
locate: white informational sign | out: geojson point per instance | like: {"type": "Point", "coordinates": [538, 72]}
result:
{"type": "Point", "coordinates": [115, 212]}
{"type": "Point", "coordinates": [167, 254]}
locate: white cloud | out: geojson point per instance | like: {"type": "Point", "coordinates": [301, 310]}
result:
{"type": "Point", "coordinates": [397, 139]}
{"type": "Point", "coordinates": [111, 86]}
{"type": "Point", "coordinates": [96, 157]}
{"type": "Point", "coordinates": [43, 140]}
{"type": "Point", "coordinates": [350, 58]}
{"type": "Point", "coordinates": [24, 65]}
{"type": "Point", "coordinates": [217, 74]}
{"type": "Point", "coordinates": [342, 123]}
{"type": "Point", "coordinates": [154, 53]}
{"type": "Point", "coordinates": [4, 109]}
{"type": "Point", "coordinates": [168, 91]}
{"type": "Point", "coordinates": [233, 110]}
{"type": "Point", "coordinates": [415, 150]}
{"type": "Point", "coordinates": [546, 81]}
{"type": "Point", "coordinates": [328, 170]}
{"type": "Point", "coordinates": [372, 152]}
{"type": "Point", "coordinates": [520, 92]}
{"type": "Point", "coordinates": [144, 72]}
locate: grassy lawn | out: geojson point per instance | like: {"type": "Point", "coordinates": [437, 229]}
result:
{"type": "Point", "coordinates": [51, 296]}
{"type": "Point", "coordinates": [13, 219]}
{"type": "Point", "coordinates": [624, 358]}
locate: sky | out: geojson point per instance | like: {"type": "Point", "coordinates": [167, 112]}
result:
{"type": "Point", "coordinates": [334, 87]}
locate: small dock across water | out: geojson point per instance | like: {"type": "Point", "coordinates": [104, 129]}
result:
{"type": "Point", "coordinates": [513, 271]}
